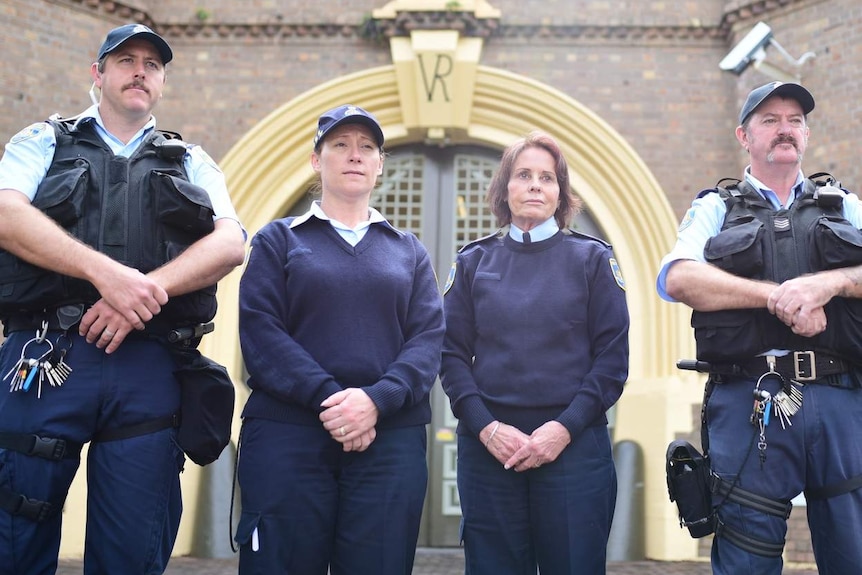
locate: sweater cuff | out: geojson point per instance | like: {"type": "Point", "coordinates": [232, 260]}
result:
{"type": "Point", "coordinates": [324, 392]}
{"type": "Point", "coordinates": [475, 414]}
{"type": "Point", "coordinates": [387, 396]}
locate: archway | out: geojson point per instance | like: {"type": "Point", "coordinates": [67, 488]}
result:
{"type": "Point", "coordinates": [267, 171]}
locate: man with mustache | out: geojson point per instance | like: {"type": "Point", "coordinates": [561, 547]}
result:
{"type": "Point", "coordinates": [112, 236]}
{"type": "Point", "coordinates": [770, 266]}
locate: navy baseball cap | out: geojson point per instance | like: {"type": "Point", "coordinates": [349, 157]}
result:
{"type": "Point", "coordinates": [119, 35]}
{"type": "Point", "coordinates": [347, 114]}
{"type": "Point", "coordinates": [786, 90]}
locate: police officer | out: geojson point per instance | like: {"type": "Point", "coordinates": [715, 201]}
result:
{"type": "Point", "coordinates": [536, 352]}
{"type": "Point", "coordinates": [341, 324]}
{"type": "Point", "coordinates": [112, 233]}
{"type": "Point", "coordinates": [770, 266]}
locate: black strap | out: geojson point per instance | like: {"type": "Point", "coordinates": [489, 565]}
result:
{"type": "Point", "coordinates": [711, 382]}
{"type": "Point", "coordinates": [748, 543]}
{"type": "Point", "coordinates": [17, 504]}
{"type": "Point", "coordinates": [835, 489]}
{"type": "Point", "coordinates": [754, 501]}
{"type": "Point", "coordinates": [51, 448]}
{"type": "Point", "coordinates": [137, 429]}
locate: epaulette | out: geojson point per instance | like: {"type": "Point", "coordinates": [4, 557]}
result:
{"type": "Point", "coordinates": [496, 235]}
{"type": "Point", "coordinates": [584, 236]}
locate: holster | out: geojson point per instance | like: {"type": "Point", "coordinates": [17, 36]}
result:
{"type": "Point", "coordinates": [688, 484]}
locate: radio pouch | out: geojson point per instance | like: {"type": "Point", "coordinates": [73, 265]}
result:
{"type": "Point", "coordinates": [206, 405]}
{"type": "Point", "coordinates": [688, 484]}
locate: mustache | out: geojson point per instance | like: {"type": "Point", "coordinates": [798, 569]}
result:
{"type": "Point", "coordinates": [136, 84]}
{"type": "Point", "coordinates": [784, 139]}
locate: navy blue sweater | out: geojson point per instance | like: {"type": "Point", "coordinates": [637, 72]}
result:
{"type": "Point", "coordinates": [535, 333]}
{"type": "Point", "coordinates": [318, 315]}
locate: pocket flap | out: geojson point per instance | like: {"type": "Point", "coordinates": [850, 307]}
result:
{"type": "Point", "coordinates": [248, 522]}
{"type": "Point", "coordinates": [732, 241]}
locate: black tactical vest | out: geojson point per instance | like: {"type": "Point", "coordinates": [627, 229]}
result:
{"type": "Point", "coordinates": [141, 211]}
{"type": "Point", "coordinates": [758, 242]}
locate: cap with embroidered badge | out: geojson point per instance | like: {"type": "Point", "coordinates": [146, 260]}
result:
{"type": "Point", "coordinates": [787, 90]}
{"type": "Point", "coordinates": [117, 36]}
{"type": "Point", "coordinates": [347, 114]}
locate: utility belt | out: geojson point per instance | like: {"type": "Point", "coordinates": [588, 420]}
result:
{"type": "Point", "coordinates": [64, 318]}
{"type": "Point", "coordinates": [801, 366]}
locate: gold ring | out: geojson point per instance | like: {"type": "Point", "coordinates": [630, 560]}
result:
{"type": "Point", "coordinates": [343, 433]}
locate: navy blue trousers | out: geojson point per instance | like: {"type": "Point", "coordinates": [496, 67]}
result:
{"type": "Point", "coordinates": [133, 488]}
{"type": "Point", "coordinates": [556, 517]}
{"type": "Point", "coordinates": [307, 506]}
{"type": "Point", "coordinates": [822, 447]}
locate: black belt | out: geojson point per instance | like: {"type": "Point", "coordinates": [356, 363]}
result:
{"type": "Point", "coordinates": [55, 319]}
{"type": "Point", "coordinates": [66, 317]}
{"type": "Point", "coordinates": [798, 365]}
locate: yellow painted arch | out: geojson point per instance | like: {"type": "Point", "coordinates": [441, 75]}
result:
{"type": "Point", "coordinates": [268, 171]}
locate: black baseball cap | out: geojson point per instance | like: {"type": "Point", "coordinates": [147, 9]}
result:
{"type": "Point", "coordinates": [787, 90]}
{"type": "Point", "coordinates": [119, 35]}
{"type": "Point", "coordinates": [347, 114]}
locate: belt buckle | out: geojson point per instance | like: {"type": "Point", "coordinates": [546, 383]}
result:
{"type": "Point", "coordinates": [804, 367]}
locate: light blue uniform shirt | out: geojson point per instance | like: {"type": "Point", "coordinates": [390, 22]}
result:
{"type": "Point", "coordinates": [705, 217]}
{"type": "Point", "coordinates": [541, 232]}
{"type": "Point", "coordinates": [30, 152]}
{"type": "Point", "coordinates": [351, 235]}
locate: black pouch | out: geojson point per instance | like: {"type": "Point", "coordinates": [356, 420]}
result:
{"type": "Point", "coordinates": [688, 485]}
{"type": "Point", "coordinates": [206, 405]}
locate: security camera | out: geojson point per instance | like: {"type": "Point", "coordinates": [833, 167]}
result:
{"type": "Point", "coordinates": [752, 47]}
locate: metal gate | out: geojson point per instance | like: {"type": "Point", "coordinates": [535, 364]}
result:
{"type": "Point", "coordinates": [439, 194]}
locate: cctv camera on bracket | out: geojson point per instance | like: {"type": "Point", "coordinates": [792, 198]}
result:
{"type": "Point", "coordinates": [748, 49]}
{"type": "Point", "coordinates": [752, 50]}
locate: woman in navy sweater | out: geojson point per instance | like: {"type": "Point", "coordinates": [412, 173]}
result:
{"type": "Point", "coordinates": [536, 352]}
{"type": "Point", "coordinates": [341, 326]}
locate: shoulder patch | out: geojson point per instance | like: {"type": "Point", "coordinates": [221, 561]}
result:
{"type": "Point", "coordinates": [618, 274]}
{"type": "Point", "coordinates": [30, 131]}
{"type": "Point", "coordinates": [687, 219]}
{"type": "Point", "coordinates": [450, 279]}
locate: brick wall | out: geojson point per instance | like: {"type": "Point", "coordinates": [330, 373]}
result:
{"type": "Point", "coordinates": [649, 69]}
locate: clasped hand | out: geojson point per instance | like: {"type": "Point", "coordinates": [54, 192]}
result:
{"type": "Point", "coordinates": [129, 300]}
{"type": "Point", "coordinates": [799, 302]}
{"type": "Point", "coordinates": [349, 416]}
{"type": "Point", "coordinates": [521, 452]}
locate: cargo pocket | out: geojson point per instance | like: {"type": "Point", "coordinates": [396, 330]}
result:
{"type": "Point", "coordinates": [725, 335]}
{"type": "Point", "coordinates": [836, 243]}
{"type": "Point", "coordinates": [738, 250]}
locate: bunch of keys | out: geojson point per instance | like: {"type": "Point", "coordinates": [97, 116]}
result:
{"type": "Point", "coordinates": [50, 366]}
{"type": "Point", "coordinates": [57, 373]}
{"type": "Point", "coordinates": [788, 400]}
